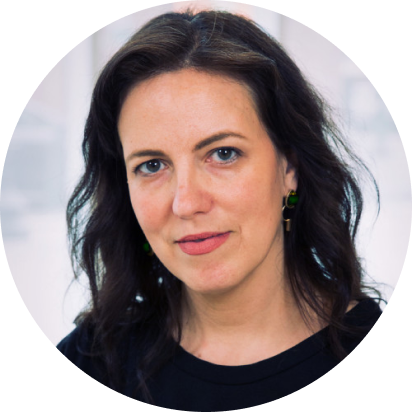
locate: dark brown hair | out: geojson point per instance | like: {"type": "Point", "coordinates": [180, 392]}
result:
{"type": "Point", "coordinates": [132, 291]}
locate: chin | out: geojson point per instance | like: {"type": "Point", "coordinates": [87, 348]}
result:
{"type": "Point", "coordinates": [212, 281]}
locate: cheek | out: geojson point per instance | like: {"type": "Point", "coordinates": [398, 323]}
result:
{"type": "Point", "coordinates": [258, 202]}
{"type": "Point", "coordinates": [148, 211]}
{"type": "Point", "coordinates": [257, 192]}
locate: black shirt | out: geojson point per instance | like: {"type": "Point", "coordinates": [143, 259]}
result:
{"type": "Point", "coordinates": [191, 384]}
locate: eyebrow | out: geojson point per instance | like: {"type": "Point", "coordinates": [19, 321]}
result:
{"type": "Point", "coordinates": [203, 143]}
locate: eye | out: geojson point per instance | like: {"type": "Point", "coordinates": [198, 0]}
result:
{"type": "Point", "coordinates": [151, 167]}
{"type": "Point", "coordinates": [225, 155]}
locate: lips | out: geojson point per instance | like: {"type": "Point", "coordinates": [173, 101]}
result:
{"type": "Point", "coordinates": [200, 236]}
{"type": "Point", "coordinates": [202, 243]}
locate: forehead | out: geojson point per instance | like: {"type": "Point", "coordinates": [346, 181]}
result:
{"type": "Point", "coordinates": [174, 113]}
{"type": "Point", "coordinates": [186, 100]}
{"type": "Point", "coordinates": [186, 83]}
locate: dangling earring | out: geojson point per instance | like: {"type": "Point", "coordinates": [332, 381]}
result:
{"type": "Point", "coordinates": [147, 249]}
{"type": "Point", "coordinates": [290, 201]}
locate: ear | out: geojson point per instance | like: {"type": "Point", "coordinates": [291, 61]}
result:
{"type": "Point", "coordinates": [290, 174]}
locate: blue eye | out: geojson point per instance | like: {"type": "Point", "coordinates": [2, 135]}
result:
{"type": "Point", "coordinates": [150, 167]}
{"type": "Point", "coordinates": [225, 155]}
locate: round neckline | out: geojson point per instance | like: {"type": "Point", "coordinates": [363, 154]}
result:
{"type": "Point", "coordinates": [234, 375]}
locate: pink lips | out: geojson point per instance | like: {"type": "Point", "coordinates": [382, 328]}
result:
{"type": "Point", "coordinates": [202, 243]}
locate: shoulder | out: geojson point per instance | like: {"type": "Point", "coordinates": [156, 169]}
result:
{"type": "Point", "coordinates": [359, 321]}
{"type": "Point", "coordinates": [78, 340]}
{"type": "Point", "coordinates": [364, 314]}
{"type": "Point", "coordinates": [77, 346]}
{"type": "Point", "coordinates": [84, 347]}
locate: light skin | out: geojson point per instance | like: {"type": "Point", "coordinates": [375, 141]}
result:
{"type": "Point", "coordinates": [198, 159]}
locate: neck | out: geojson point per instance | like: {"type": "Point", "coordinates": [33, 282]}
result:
{"type": "Point", "coordinates": [255, 321]}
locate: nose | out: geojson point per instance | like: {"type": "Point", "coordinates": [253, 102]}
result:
{"type": "Point", "coordinates": [192, 195]}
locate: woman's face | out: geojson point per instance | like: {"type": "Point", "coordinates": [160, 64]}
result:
{"type": "Point", "coordinates": [205, 181]}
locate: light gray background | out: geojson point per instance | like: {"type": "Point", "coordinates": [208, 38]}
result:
{"type": "Point", "coordinates": [43, 162]}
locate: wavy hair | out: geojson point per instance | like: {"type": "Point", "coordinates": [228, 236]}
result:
{"type": "Point", "coordinates": [132, 292]}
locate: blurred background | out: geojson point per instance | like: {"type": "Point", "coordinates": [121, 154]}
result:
{"type": "Point", "coordinates": [44, 160]}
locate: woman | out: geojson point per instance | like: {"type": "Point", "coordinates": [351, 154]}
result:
{"type": "Point", "coordinates": [215, 221]}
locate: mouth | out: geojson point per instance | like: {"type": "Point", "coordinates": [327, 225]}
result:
{"type": "Point", "coordinates": [200, 237]}
{"type": "Point", "coordinates": [202, 243]}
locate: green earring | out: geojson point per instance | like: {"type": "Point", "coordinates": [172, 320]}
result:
{"type": "Point", "coordinates": [291, 201]}
{"type": "Point", "coordinates": [147, 249]}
